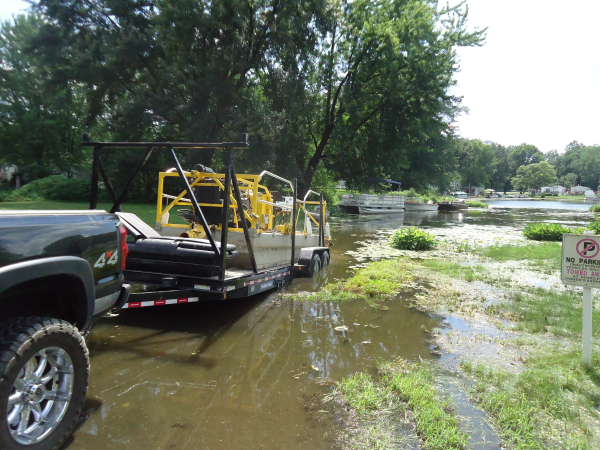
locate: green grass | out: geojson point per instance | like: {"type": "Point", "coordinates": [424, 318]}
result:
{"type": "Point", "coordinates": [436, 422]}
{"type": "Point", "coordinates": [532, 252]}
{"type": "Point", "coordinates": [544, 256]}
{"type": "Point", "coordinates": [551, 404]}
{"type": "Point", "coordinates": [146, 212]}
{"type": "Point", "coordinates": [538, 310]}
{"type": "Point", "coordinates": [454, 270]}
{"type": "Point", "coordinates": [404, 386]}
{"type": "Point", "coordinates": [377, 281]}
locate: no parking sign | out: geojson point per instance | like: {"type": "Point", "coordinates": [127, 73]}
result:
{"type": "Point", "coordinates": [581, 260]}
{"type": "Point", "coordinates": [581, 267]}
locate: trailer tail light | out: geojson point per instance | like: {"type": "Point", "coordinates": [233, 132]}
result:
{"type": "Point", "coordinates": [124, 249]}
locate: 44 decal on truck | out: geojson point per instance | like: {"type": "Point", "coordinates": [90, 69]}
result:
{"type": "Point", "coordinates": [110, 257]}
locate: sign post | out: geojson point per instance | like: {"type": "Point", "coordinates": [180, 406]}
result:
{"type": "Point", "coordinates": [581, 267]}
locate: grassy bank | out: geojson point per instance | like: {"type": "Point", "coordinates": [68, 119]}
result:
{"type": "Point", "coordinates": [405, 390]}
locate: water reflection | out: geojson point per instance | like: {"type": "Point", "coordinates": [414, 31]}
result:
{"type": "Point", "coordinates": [235, 375]}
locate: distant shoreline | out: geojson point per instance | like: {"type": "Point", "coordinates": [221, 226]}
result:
{"type": "Point", "coordinates": [578, 199]}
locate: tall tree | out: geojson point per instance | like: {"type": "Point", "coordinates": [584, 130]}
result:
{"type": "Point", "coordinates": [524, 154]}
{"type": "Point", "coordinates": [40, 120]}
{"type": "Point", "coordinates": [500, 179]}
{"type": "Point", "coordinates": [534, 176]}
{"type": "Point", "coordinates": [382, 89]}
{"type": "Point", "coordinates": [476, 163]}
{"type": "Point", "coordinates": [587, 166]}
{"type": "Point", "coordinates": [179, 69]}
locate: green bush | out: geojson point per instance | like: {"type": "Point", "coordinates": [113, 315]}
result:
{"type": "Point", "coordinates": [595, 226]}
{"type": "Point", "coordinates": [476, 204]}
{"type": "Point", "coordinates": [595, 208]}
{"type": "Point", "coordinates": [548, 231]}
{"type": "Point", "coordinates": [413, 239]}
{"type": "Point", "coordinates": [54, 187]}
{"type": "Point", "coordinates": [543, 195]}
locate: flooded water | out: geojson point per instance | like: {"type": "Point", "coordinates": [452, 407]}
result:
{"type": "Point", "coordinates": [243, 373]}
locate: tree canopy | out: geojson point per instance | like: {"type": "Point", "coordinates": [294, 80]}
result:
{"type": "Point", "coordinates": [326, 88]}
{"type": "Point", "coordinates": [476, 162]}
{"type": "Point", "coordinates": [534, 176]}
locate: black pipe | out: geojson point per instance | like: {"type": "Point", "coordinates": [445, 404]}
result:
{"type": "Point", "coordinates": [295, 183]}
{"type": "Point", "coordinates": [225, 225]}
{"type": "Point", "coordinates": [194, 200]}
{"type": "Point", "coordinates": [107, 182]}
{"type": "Point", "coordinates": [94, 188]}
{"type": "Point", "coordinates": [238, 199]}
{"type": "Point", "coordinates": [321, 225]}
{"type": "Point", "coordinates": [138, 168]}
{"type": "Point", "coordinates": [215, 145]}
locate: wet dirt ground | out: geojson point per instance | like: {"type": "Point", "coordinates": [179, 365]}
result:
{"type": "Point", "coordinates": [242, 373]}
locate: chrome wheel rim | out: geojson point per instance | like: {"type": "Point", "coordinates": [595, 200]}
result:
{"type": "Point", "coordinates": [40, 395]}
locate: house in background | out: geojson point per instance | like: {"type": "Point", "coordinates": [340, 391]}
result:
{"type": "Point", "coordinates": [7, 171]}
{"type": "Point", "coordinates": [559, 190]}
{"type": "Point", "coordinates": [580, 190]}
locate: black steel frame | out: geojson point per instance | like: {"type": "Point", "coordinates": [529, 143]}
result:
{"type": "Point", "coordinates": [230, 176]}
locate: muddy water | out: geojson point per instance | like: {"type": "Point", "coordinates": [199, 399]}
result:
{"type": "Point", "coordinates": [242, 373]}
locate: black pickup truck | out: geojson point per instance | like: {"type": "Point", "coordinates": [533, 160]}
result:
{"type": "Point", "coordinates": [59, 271]}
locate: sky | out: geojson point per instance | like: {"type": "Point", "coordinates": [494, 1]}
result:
{"type": "Point", "coordinates": [536, 80]}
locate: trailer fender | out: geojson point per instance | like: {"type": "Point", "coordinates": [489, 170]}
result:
{"type": "Point", "coordinates": [305, 264]}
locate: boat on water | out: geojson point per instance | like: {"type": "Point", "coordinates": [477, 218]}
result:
{"type": "Point", "coordinates": [417, 204]}
{"type": "Point", "coordinates": [268, 216]}
{"type": "Point", "coordinates": [456, 205]}
{"type": "Point", "coordinates": [371, 204]}
{"type": "Point", "coordinates": [491, 193]}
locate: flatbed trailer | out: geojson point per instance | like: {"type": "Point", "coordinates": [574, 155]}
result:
{"type": "Point", "coordinates": [228, 283]}
{"type": "Point", "coordinates": [238, 284]}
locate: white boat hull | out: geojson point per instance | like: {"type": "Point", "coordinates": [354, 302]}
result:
{"type": "Point", "coordinates": [379, 210]}
{"type": "Point", "coordinates": [372, 204]}
{"type": "Point", "coordinates": [414, 206]}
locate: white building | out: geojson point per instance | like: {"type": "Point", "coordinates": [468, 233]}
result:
{"type": "Point", "coordinates": [579, 189]}
{"type": "Point", "coordinates": [559, 190]}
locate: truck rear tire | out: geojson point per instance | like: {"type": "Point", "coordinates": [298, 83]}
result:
{"type": "Point", "coordinates": [44, 371]}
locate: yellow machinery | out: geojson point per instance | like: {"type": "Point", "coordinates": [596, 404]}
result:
{"type": "Point", "coordinates": [260, 209]}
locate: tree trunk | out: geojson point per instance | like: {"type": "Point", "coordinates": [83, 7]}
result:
{"type": "Point", "coordinates": [314, 161]}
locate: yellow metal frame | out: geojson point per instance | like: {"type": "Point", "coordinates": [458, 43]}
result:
{"type": "Point", "coordinates": [260, 216]}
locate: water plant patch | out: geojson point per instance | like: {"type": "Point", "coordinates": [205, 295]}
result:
{"type": "Point", "coordinates": [413, 238]}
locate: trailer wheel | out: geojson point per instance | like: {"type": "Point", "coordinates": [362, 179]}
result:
{"type": "Point", "coordinates": [325, 264]}
{"type": "Point", "coordinates": [315, 264]}
{"type": "Point", "coordinates": [44, 369]}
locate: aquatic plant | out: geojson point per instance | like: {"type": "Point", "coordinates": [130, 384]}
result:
{"type": "Point", "coordinates": [413, 239]}
{"type": "Point", "coordinates": [376, 282]}
{"type": "Point", "coordinates": [546, 231]}
{"type": "Point", "coordinates": [476, 204]}
{"type": "Point", "coordinates": [595, 208]}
